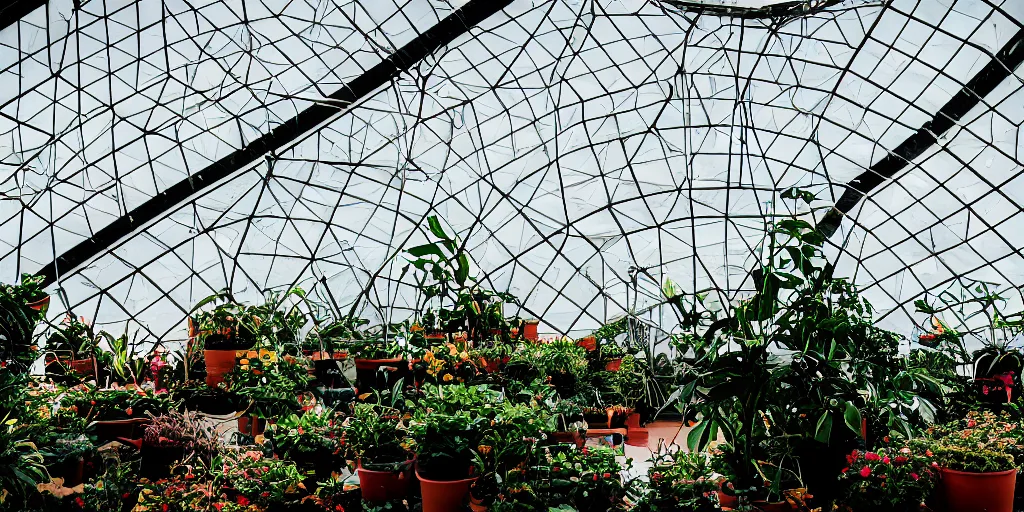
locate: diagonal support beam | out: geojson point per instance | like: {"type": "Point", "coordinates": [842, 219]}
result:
{"type": "Point", "coordinates": [1002, 65]}
{"type": "Point", "coordinates": [15, 10]}
{"type": "Point", "coordinates": [441, 34]}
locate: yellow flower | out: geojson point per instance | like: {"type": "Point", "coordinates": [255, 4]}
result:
{"type": "Point", "coordinates": [252, 354]}
{"type": "Point", "coordinates": [428, 356]}
{"type": "Point", "coordinates": [452, 350]}
{"type": "Point", "coordinates": [243, 362]}
{"type": "Point", "coordinates": [448, 377]}
{"type": "Point", "coordinates": [268, 355]}
{"type": "Point", "coordinates": [464, 355]}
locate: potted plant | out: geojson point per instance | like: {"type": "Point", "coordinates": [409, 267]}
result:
{"type": "Point", "coordinates": [377, 438]}
{"type": "Point", "coordinates": [172, 438]}
{"type": "Point", "coordinates": [896, 479]}
{"type": "Point", "coordinates": [562, 361]}
{"type": "Point", "coordinates": [611, 354]}
{"type": "Point", "coordinates": [378, 361]}
{"type": "Point", "coordinates": [268, 386]}
{"type": "Point", "coordinates": [508, 442]}
{"type": "Point", "coordinates": [679, 481]}
{"type": "Point", "coordinates": [446, 459]}
{"type": "Point", "coordinates": [65, 457]}
{"type": "Point", "coordinates": [313, 440]}
{"type": "Point", "coordinates": [72, 350]}
{"type": "Point", "coordinates": [23, 465]}
{"type": "Point", "coordinates": [22, 306]}
{"type": "Point", "coordinates": [222, 331]}
{"type": "Point", "coordinates": [263, 482]}
{"type": "Point", "coordinates": [493, 356]}
{"type": "Point", "coordinates": [569, 423]}
{"type": "Point", "coordinates": [976, 460]}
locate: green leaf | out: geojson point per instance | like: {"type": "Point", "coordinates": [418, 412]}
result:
{"type": "Point", "coordinates": [823, 431]}
{"type": "Point", "coordinates": [693, 438]}
{"type": "Point", "coordinates": [851, 416]}
{"type": "Point", "coordinates": [462, 272]}
{"type": "Point", "coordinates": [435, 227]}
{"type": "Point", "coordinates": [425, 250]}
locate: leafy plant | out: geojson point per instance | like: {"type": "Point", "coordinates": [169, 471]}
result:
{"type": "Point", "coordinates": [21, 464]}
{"type": "Point", "coordinates": [18, 322]}
{"type": "Point", "coordinates": [270, 384]}
{"type": "Point", "coordinates": [377, 437]}
{"type": "Point", "coordinates": [262, 481]}
{"type": "Point", "coordinates": [181, 431]}
{"type": "Point", "coordinates": [679, 481]}
{"type": "Point", "coordinates": [982, 442]}
{"type": "Point", "coordinates": [445, 444]}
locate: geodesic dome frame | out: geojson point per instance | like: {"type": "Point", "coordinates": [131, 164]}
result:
{"type": "Point", "coordinates": [585, 151]}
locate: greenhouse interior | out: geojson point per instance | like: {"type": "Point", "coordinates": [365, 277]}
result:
{"type": "Point", "coordinates": [511, 255]}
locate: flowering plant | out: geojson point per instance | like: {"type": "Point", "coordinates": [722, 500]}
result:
{"type": "Point", "coordinates": [313, 438]}
{"type": "Point", "coordinates": [261, 481]}
{"type": "Point", "coordinates": [115, 403]}
{"type": "Point", "coordinates": [982, 442]}
{"type": "Point", "coordinates": [679, 481]}
{"type": "Point", "coordinates": [270, 384]}
{"type": "Point", "coordinates": [449, 363]}
{"type": "Point", "coordinates": [888, 480]}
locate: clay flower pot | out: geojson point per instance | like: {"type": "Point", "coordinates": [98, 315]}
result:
{"type": "Point", "coordinates": [251, 425]}
{"type": "Point", "coordinates": [971, 492]}
{"type": "Point", "coordinates": [530, 329]}
{"type": "Point", "coordinates": [218, 363]}
{"type": "Point", "coordinates": [588, 342]}
{"type": "Point", "coordinates": [380, 486]}
{"type": "Point", "coordinates": [40, 305]}
{"type": "Point", "coordinates": [613, 365]}
{"type": "Point", "coordinates": [444, 495]}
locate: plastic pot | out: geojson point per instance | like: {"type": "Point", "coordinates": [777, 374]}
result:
{"type": "Point", "coordinates": [218, 363]}
{"type": "Point", "coordinates": [444, 495]}
{"type": "Point", "coordinates": [380, 486]}
{"type": "Point", "coordinates": [588, 342]}
{"type": "Point", "coordinates": [978, 492]}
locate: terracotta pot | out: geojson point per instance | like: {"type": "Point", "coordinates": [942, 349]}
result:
{"type": "Point", "coordinates": [575, 438]}
{"type": "Point", "coordinates": [633, 420]}
{"type": "Point", "coordinates": [380, 486]}
{"type": "Point", "coordinates": [530, 329]}
{"type": "Point", "coordinates": [40, 305]}
{"type": "Point", "coordinates": [373, 364]}
{"type": "Point", "coordinates": [727, 500]}
{"type": "Point", "coordinates": [83, 367]}
{"type": "Point", "coordinates": [588, 342]}
{"type": "Point", "coordinates": [251, 425]}
{"type": "Point", "coordinates": [976, 492]}
{"type": "Point", "coordinates": [637, 436]}
{"type": "Point", "coordinates": [218, 363]}
{"type": "Point", "coordinates": [113, 429]}
{"type": "Point", "coordinates": [613, 365]}
{"type": "Point", "coordinates": [444, 496]}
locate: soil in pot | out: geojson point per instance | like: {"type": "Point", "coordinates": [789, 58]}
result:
{"type": "Point", "coordinates": [976, 492]}
{"type": "Point", "coordinates": [380, 486]}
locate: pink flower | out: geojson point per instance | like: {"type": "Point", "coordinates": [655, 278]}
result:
{"type": "Point", "coordinates": [871, 457]}
{"type": "Point", "coordinates": [914, 476]}
{"type": "Point", "coordinates": [885, 460]}
{"type": "Point", "coordinates": [865, 471]}
{"type": "Point", "coordinates": [900, 460]}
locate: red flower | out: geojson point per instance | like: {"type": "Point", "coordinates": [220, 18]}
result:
{"type": "Point", "coordinates": [595, 477]}
{"type": "Point", "coordinates": [885, 460]}
{"type": "Point", "coordinates": [871, 457]}
{"type": "Point", "coordinates": [852, 456]}
{"type": "Point", "coordinates": [900, 460]}
{"type": "Point", "coordinates": [80, 502]}
{"type": "Point", "coordinates": [928, 453]}
{"type": "Point", "coordinates": [165, 508]}
{"type": "Point", "coordinates": [971, 423]}
{"type": "Point", "coordinates": [865, 471]}
{"type": "Point", "coordinates": [606, 475]}
{"type": "Point", "coordinates": [845, 470]}
{"type": "Point", "coordinates": [243, 501]}
{"type": "Point", "coordinates": [914, 476]}
{"type": "Point", "coordinates": [219, 506]}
